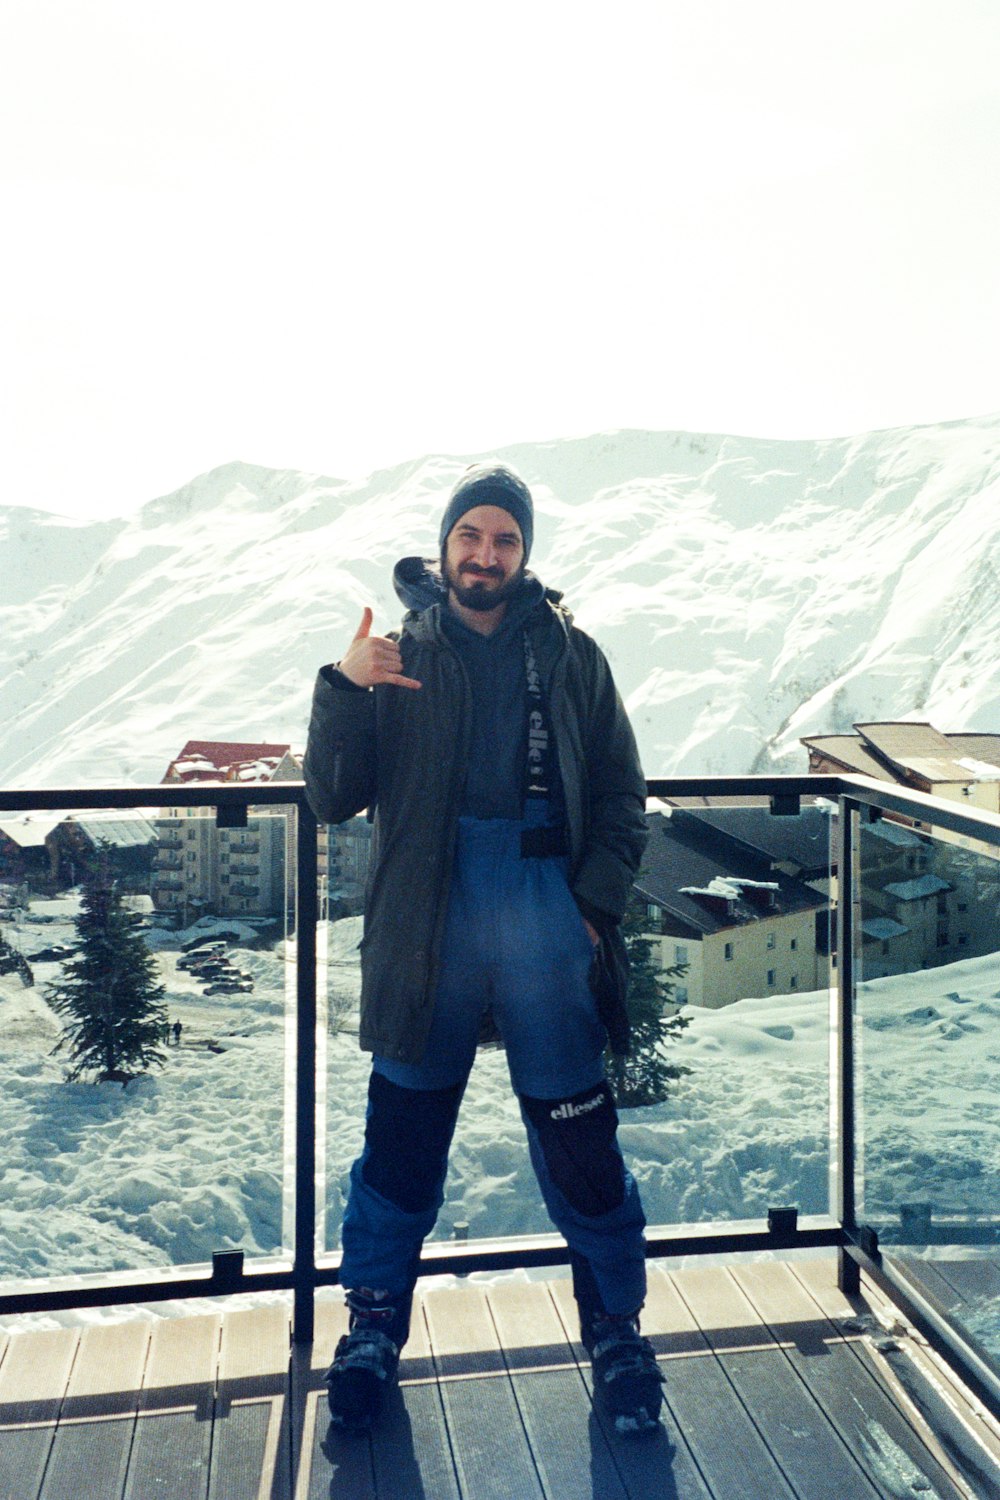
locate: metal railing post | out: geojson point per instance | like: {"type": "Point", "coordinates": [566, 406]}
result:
{"type": "Point", "coordinates": [849, 1275]}
{"type": "Point", "coordinates": [307, 911]}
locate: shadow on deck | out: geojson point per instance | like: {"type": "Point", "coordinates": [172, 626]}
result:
{"type": "Point", "coordinates": [776, 1386]}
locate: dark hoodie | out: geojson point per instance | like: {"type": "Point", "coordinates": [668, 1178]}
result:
{"type": "Point", "coordinates": [495, 666]}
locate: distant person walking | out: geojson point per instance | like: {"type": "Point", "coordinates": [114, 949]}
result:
{"type": "Point", "coordinates": [509, 803]}
{"type": "Point", "coordinates": [177, 1029]}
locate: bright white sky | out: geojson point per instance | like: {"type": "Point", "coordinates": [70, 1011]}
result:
{"type": "Point", "coordinates": [334, 236]}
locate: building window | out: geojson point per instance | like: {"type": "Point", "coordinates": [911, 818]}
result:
{"type": "Point", "coordinates": [770, 976]}
{"type": "Point", "coordinates": [770, 940]}
{"type": "Point", "coordinates": [794, 944]}
{"type": "Point", "coordinates": [963, 906]}
{"type": "Point", "coordinates": [653, 911]}
{"type": "Point", "coordinates": [793, 983]}
{"type": "Point", "coordinates": [681, 995]}
{"type": "Point", "coordinates": [680, 954]}
{"type": "Point", "coordinates": [728, 952]}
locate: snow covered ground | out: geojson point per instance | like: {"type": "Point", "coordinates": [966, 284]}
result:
{"type": "Point", "coordinates": [190, 1159]}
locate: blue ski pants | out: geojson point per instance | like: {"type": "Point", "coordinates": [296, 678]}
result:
{"type": "Point", "coordinates": [514, 943]}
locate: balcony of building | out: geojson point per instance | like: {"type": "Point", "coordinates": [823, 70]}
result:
{"type": "Point", "coordinates": [842, 1341]}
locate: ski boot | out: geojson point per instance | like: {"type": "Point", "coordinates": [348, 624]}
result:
{"type": "Point", "coordinates": [627, 1378]}
{"type": "Point", "coordinates": [366, 1357]}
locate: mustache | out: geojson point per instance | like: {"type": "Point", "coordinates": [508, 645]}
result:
{"type": "Point", "coordinates": [478, 572]}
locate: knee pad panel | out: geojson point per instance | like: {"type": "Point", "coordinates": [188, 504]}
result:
{"type": "Point", "coordinates": [578, 1140]}
{"type": "Point", "coordinates": [407, 1135]}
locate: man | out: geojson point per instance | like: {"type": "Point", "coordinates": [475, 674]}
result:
{"type": "Point", "coordinates": [508, 802]}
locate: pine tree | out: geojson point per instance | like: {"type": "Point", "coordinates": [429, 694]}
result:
{"type": "Point", "coordinates": [109, 993]}
{"type": "Point", "coordinates": [644, 1075]}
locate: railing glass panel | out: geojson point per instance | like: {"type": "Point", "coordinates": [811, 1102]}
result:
{"type": "Point", "coordinates": [123, 922]}
{"type": "Point", "coordinates": [928, 1065]}
{"type": "Point", "coordinates": [737, 903]}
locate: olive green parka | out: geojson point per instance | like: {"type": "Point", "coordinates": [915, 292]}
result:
{"type": "Point", "coordinates": [403, 752]}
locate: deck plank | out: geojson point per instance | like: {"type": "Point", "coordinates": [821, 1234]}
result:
{"type": "Point", "coordinates": [173, 1431]}
{"type": "Point", "coordinates": [660, 1466]}
{"type": "Point", "coordinates": [942, 1412]}
{"type": "Point", "coordinates": [729, 1451]}
{"type": "Point", "coordinates": [554, 1402]}
{"type": "Point", "coordinates": [331, 1465]}
{"type": "Point", "coordinates": [845, 1378]}
{"type": "Point", "coordinates": [411, 1449]}
{"type": "Point", "coordinates": [982, 1425]}
{"type": "Point", "coordinates": [33, 1379]}
{"type": "Point", "coordinates": [492, 1454]}
{"type": "Point", "coordinates": [806, 1446]}
{"type": "Point", "coordinates": [250, 1441]}
{"type": "Point", "coordinates": [494, 1401]}
{"type": "Point", "coordinates": [92, 1444]}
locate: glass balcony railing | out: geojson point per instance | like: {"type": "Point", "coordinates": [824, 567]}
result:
{"type": "Point", "coordinates": [927, 1054]}
{"type": "Point", "coordinates": [827, 950]}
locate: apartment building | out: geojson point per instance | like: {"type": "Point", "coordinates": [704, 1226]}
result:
{"type": "Point", "coordinates": [723, 903]}
{"type": "Point", "coordinates": [925, 900]}
{"type": "Point", "coordinates": [202, 869]}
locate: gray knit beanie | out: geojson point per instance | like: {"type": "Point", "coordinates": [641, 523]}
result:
{"type": "Point", "coordinates": [491, 484]}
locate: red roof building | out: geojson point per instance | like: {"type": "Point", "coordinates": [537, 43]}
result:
{"type": "Point", "coordinates": [225, 760]}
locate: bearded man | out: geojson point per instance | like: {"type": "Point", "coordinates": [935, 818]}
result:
{"type": "Point", "coordinates": [491, 747]}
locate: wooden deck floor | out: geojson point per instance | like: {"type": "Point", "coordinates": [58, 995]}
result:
{"type": "Point", "coordinates": [775, 1387]}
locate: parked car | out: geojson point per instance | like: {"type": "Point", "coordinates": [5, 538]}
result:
{"type": "Point", "coordinates": [54, 955]}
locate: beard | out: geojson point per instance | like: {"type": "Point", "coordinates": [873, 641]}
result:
{"type": "Point", "coordinates": [477, 590]}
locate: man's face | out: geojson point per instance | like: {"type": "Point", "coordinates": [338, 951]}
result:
{"type": "Point", "coordinates": [483, 563]}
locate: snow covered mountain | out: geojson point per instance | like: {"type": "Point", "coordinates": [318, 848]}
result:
{"type": "Point", "coordinates": [746, 591]}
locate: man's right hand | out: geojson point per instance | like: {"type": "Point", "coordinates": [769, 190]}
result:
{"type": "Point", "coordinates": [373, 659]}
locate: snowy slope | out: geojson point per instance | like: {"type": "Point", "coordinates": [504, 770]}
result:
{"type": "Point", "coordinates": [747, 591]}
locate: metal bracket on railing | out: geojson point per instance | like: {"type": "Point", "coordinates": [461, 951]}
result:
{"type": "Point", "coordinates": [915, 1222]}
{"type": "Point", "coordinates": [227, 1269]}
{"type": "Point", "coordinates": [867, 1241]}
{"type": "Point", "coordinates": [231, 816]}
{"type": "Point", "coordinates": [782, 1223]}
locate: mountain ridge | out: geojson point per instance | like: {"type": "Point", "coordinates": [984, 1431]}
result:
{"type": "Point", "coordinates": [747, 591]}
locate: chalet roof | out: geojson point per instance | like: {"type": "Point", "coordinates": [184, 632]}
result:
{"type": "Point", "coordinates": [122, 833]}
{"type": "Point", "coordinates": [849, 751]}
{"type": "Point", "coordinates": [912, 752]}
{"type": "Point", "coordinates": [918, 751]}
{"type": "Point", "coordinates": [894, 833]}
{"type": "Point", "coordinates": [883, 928]}
{"type": "Point", "coordinates": [918, 889]}
{"type": "Point", "coordinates": [979, 746]}
{"type": "Point", "coordinates": [685, 855]}
{"type": "Point", "coordinates": [226, 760]}
{"type": "Point", "coordinates": [31, 829]}
{"type": "Point", "coordinates": [803, 840]}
